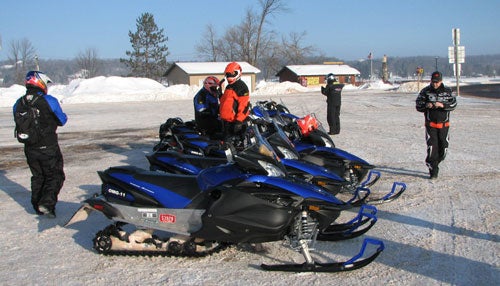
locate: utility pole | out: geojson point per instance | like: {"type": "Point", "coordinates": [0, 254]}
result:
{"type": "Point", "coordinates": [436, 58]}
{"type": "Point", "coordinates": [370, 56]}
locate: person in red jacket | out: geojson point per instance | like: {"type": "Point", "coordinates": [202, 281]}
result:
{"type": "Point", "coordinates": [234, 102]}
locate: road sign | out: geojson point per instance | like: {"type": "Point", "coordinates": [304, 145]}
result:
{"type": "Point", "coordinates": [460, 54]}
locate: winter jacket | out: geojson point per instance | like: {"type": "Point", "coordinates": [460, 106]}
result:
{"type": "Point", "coordinates": [441, 94]}
{"type": "Point", "coordinates": [234, 103]}
{"type": "Point", "coordinates": [51, 116]}
{"type": "Point", "coordinates": [205, 104]}
{"type": "Point", "coordinates": [333, 93]}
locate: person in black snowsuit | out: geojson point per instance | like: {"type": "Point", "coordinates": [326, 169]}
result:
{"type": "Point", "coordinates": [333, 93]}
{"type": "Point", "coordinates": [44, 157]}
{"type": "Point", "coordinates": [436, 101]}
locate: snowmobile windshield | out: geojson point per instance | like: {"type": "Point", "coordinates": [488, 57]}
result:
{"type": "Point", "coordinates": [321, 137]}
{"type": "Point", "coordinates": [260, 113]}
{"type": "Point", "coordinates": [259, 156]}
{"type": "Point", "coordinates": [281, 143]}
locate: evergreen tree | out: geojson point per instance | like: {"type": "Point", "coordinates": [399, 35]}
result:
{"type": "Point", "coordinates": [149, 55]}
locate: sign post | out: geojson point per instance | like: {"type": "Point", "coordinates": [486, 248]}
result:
{"type": "Point", "coordinates": [456, 55]}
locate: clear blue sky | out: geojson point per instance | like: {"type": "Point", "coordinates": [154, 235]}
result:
{"type": "Point", "coordinates": [348, 30]}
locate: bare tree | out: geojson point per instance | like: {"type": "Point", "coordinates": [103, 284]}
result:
{"type": "Point", "coordinates": [249, 41]}
{"type": "Point", "coordinates": [230, 45]}
{"type": "Point", "coordinates": [244, 41]}
{"type": "Point", "coordinates": [270, 57]}
{"type": "Point", "coordinates": [239, 42]}
{"type": "Point", "coordinates": [293, 51]}
{"type": "Point", "coordinates": [21, 55]}
{"type": "Point", "coordinates": [209, 46]}
{"type": "Point", "coordinates": [269, 7]}
{"type": "Point", "coordinates": [88, 62]}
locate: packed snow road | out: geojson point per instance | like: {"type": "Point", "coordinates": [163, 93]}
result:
{"type": "Point", "coordinates": [444, 231]}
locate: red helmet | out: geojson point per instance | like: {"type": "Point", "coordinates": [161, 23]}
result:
{"type": "Point", "coordinates": [38, 80]}
{"type": "Point", "coordinates": [232, 72]}
{"type": "Point", "coordinates": [211, 83]}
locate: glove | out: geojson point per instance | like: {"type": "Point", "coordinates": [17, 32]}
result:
{"type": "Point", "coordinates": [237, 127]}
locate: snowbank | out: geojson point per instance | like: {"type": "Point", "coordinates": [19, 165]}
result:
{"type": "Point", "coordinates": [127, 89]}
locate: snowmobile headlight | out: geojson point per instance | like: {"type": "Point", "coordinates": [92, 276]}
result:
{"type": "Point", "coordinates": [272, 170]}
{"type": "Point", "coordinates": [287, 153]}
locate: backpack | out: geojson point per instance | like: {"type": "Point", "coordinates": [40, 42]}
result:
{"type": "Point", "coordinates": [27, 119]}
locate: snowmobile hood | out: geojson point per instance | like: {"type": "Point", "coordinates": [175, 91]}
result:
{"type": "Point", "coordinates": [298, 187]}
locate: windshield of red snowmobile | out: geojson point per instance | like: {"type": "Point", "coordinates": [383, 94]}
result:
{"type": "Point", "coordinates": [320, 125]}
{"type": "Point", "coordinates": [321, 128]}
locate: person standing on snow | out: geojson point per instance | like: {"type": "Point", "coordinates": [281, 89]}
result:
{"type": "Point", "coordinates": [234, 102]}
{"type": "Point", "coordinates": [44, 156]}
{"type": "Point", "coordinates": [333, 93]}
{"type": "Point", "coordinates": [436, 101]}
{"type": "Point", "coordinates": [206, 107]}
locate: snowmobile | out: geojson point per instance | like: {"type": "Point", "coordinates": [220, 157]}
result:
{"type": "Point", "coordinates": [314, 145]}
{"type": "Point", "coordinates": [248, 200]}
{"type": "Point", "coordinates": [310, 131]}
{"type": "Point", "coordinates": [173, 161]}
{"type": "Point", "coordinates": [189, 153]}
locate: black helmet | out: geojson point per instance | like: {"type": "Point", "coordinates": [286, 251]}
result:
{"type": "Point", "coordinates": [331, 77]}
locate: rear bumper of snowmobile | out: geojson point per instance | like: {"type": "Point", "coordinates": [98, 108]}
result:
{"type": "Point", "coordinates": [96, 203]}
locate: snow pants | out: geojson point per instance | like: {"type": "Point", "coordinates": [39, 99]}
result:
{"type": "Point", "coordinates": [333, 118]}
{"type": "Point", "coordinates": [46, 165]}
{"type": "Point", "coordinates": [437, 145]}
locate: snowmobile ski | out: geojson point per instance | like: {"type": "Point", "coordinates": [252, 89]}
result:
{"type": "Point", "coordinates": [349, 265]}
{"type": "Point", "coordinates": [389, 197]}
{"type": "Point", "coordinates": [351, 228]}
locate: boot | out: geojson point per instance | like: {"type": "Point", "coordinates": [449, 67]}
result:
{"type": "Point", "coordinates": [433, 172]}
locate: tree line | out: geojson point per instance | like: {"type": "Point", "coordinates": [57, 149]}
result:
{"type": "Point", "coordinates": [251, 40]}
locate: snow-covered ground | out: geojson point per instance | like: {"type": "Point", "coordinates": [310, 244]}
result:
{"type": "Point", "coordinates": [440, 232]}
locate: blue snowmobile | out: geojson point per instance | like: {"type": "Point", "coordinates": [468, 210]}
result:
{"type": "Point", "coordinates": [248, 200]}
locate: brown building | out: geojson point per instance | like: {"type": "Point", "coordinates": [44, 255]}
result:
{"type": "Point", "coordinates": [311, 75]}
{"type": "Point", "coordinates": [193, 73]}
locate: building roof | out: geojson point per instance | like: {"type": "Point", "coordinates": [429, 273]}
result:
{"type": "Point", "coordinates": [210, 67]}
{"type": "Point", "coordinates": [305, 70]}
